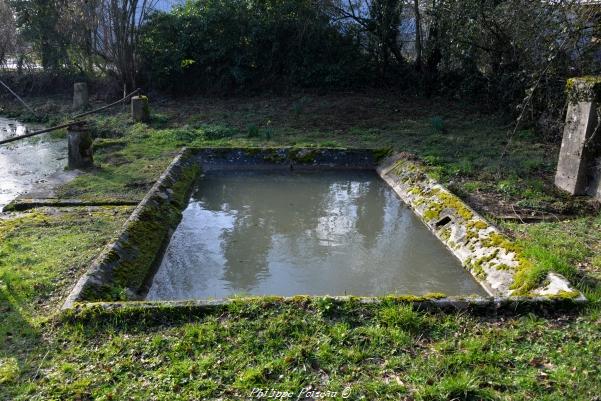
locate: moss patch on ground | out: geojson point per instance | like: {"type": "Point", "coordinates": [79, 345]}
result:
{"type": "Point", "coordinates": [42, 254]}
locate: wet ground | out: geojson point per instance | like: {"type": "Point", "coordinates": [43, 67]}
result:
{"type": "Point", "coordinates": [313, 233]}
{"type": "Point", "coordinates": [28, 164]}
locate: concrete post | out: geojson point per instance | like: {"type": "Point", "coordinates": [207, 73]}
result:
{"type": "Point", "coordinates": [80, 147]}
{"type": "Point", "coordinates": [580, 143]}
{"type": "Point", "coordinates": [80, 96]}
{"type": "Point", "coordinates": [139, 109]}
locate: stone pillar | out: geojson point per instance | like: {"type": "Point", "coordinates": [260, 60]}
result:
{"type": "Point", "coordinates": [80, 96]}
{"type": "Point", "coordinates": [139, 109]}
{"type": "Point", "coordinates": [579, 147]}
{"type": "Point", "coordinates": [80, 147]}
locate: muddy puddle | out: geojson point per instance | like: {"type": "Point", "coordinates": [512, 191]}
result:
{"type": "Point", "coordinates": [26, 165]}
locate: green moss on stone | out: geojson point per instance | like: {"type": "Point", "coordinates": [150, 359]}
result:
{"type": "Point", "coordinates": [453, 202]}
{"type": "Point", "coordinates": [304, 156]}
{"type": "Point", "coordinates": [380, 154]}
{"type": "Point", "coordinates": [477, 269]}
{"type": "Point", "coordinates": [473, 229]}
{"type": "Point", "coordinates": [274, 155]}
{"type": "Point", "coordinates": [413, 298]}
{"type": "Point", "coordinates": [478, 264]}
{"type": "Point", "coordinates": [433, 211]}
{"type": "Point", "coordinates": [139, 250]}
{"type": "Point", "coordinates": [565, 295]}
{"type": "Point", "coordinates": [146, 107]}
{"type": "Point", "coordinates": [404, 167]}
{"type": "Point", "coordinates": [583, 89]}
{"type": "Point", "coordinates": [477, 225]}
{"type": "Point", "coordinates": [416, 191]}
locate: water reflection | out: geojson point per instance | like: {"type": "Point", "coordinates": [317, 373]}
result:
{"type": "Point", "coordinates": [26, 164]}
{"type": "Point", "coordinates": [11, 128]}
{"type": "Point", "coordinates": [303, 233]}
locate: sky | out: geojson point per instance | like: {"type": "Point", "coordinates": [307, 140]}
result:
{"type": "Point", "coordinates": [165, 5]}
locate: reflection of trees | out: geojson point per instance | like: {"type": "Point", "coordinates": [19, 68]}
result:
{"type": "Point", "coordinates": [277, 205]}
{"type": "Point", "coordinates": [265, 205]}
{"type": "Point", "coordinates": [325, 227]}
{"type": "Point", "coordinates": [371, 207]}
{"type": "Point", "coordinates": [246, 260]}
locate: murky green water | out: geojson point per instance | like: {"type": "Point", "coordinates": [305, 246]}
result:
{"type": "Point", "coordinates": [27, 164]}
{"type": "Point", "coordinates": [313, 233]}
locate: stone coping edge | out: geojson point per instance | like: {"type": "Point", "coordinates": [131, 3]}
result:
{"type": "Point", "coordinates": [22, 204]}
{"type": "Point", "coordinates": [160, 210]}
{"type": "Point", "coordinates": [219, 158]}
{"type": "Point", "coordinates": [159, 310]}
{"type": "Point", "coordinates": [491, 258]}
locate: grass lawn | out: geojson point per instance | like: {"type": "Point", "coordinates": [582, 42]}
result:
{"type": "Point", "coordinates": [378, 352]}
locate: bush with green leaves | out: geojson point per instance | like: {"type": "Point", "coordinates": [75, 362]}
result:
{"type": "Point", "coordinates": [237, 44]}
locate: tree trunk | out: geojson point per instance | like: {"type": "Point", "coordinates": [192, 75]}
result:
{"type": "Point", "coordinates": [418, 36]}
{"type": "Point", "coordinates": [433, 55]}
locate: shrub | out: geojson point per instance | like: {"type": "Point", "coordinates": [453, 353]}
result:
{"type": "Point", "coordinates": [236, 44]}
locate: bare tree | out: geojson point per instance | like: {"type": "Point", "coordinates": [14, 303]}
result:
{"type": "Point", "coordinates": [118, 34]}
{"type": "Point", "coordinates": [379, 21]}
{"type": "Point", "coordinates": [7, 32]}
{"type": "Point", "coordinates": [79, 24]}
{"type": "Point", "coordinates": [418, 35]}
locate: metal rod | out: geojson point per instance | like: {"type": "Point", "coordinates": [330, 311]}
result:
{"type": "Point", "coordinates": [19, 98]}
{"type": "Point", "coordinates": [107, 106]}
{"type": "Point", "coordinates": [16, 138]}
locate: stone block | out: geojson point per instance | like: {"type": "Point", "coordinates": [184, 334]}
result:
{"type": "Point", "coordinates": [80, 144]}
{"type": "Point", "coordinates": [139, 109]}
{"type": "Point", "coordinates": [579, 145]}
{"type": "Point", "coordinates": [80, 96]}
